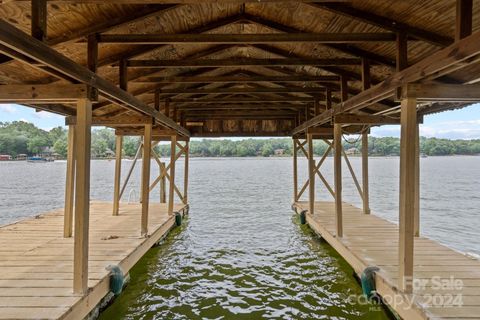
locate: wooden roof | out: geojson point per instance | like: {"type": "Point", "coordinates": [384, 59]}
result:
{"type": "Point", "coordinates": [239, 67]}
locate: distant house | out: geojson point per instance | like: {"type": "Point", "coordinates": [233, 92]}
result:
{"type": "Point", "coordinates": [49, 153]}
{"type": "Point", "coordinates": [109, 154]}
{"type": "Point", "coordinates": [5, 157]}
{"type": "Point", "coordinates": [279, 152]}
{"type": "Point", "coordinates": [21, 157]}
{"type": "Point", "coordinates": [352, 151]}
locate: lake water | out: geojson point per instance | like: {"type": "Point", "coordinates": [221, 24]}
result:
{"type": "Point", "coordinates": [241, 254]}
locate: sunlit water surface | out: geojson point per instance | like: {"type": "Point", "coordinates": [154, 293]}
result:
{"type": "Point", "coordinates": [241, 254]}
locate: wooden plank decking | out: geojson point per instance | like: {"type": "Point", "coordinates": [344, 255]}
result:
{"type": "Point", "coordinates": [36, 261]}
{"type": "Point", "coordinates": [369, 240]}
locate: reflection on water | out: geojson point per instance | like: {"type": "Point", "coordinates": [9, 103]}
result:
{"type": "Point", "coordinates": [240, 254]}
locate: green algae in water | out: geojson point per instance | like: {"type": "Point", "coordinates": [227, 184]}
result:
{"type": "Point", "coordinates": [169, 284]}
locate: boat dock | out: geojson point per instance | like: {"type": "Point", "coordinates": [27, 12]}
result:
{"type": "Point", "coordinates": [442, 275]}
{"type": "Point", "coordinates": [36, 260]}
{"type": "Point", "coordinates": [168, 72]}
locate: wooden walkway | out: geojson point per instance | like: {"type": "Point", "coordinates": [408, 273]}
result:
{"type": "Point", "coordinates": [36, 262]}
{"type": "Point", "coordinates": [372, 241]}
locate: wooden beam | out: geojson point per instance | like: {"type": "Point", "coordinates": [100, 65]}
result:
{"type": "Point", "coordinates": [243, 90]}
{"type": "Point", "coordinates": [386, 23]}
{"type": "Point", "coordinates": [407, 194]}
{"type": "Point", "coordinates": [346, 118]}
{"type": "Point", "coordinates": [442, 92]}
{"type": "Point", "coordinates": [149, 2]}
{"type": "Point", "coordinates": [241, 107]}
{"type": "Point", "coordinates": [463, 26]}
{"type": "Point", "coordinates": [82, 196]}
{"type": "Point", "coordinates": [237, 100]}
{"type": "Point", "coordinates": [171, 191]}
{"type": "Point", "coordinates": [236, 79]}
{"type": "Point", "coordinates": [69, 184]}
{"type": "Point", "coordinates": [118, 174]}
{"type": "Point", "coordinates": [246, 38]}
{"type": "Point", "coordinates": [365, 186]}
{"type": "Point", "coordinates": [26, 46]}
{"type": "Point", "coordinates": [145, 183]}
{"type": "Point", "coordinates": [124, 120]}
{"type": "Point", "coordinates": [241, 62]}
{"type": "Point", "coordinates": [39, 19]}
{"type": "Point", "coordinates": [337, 163]}
{"type": "Point", "coordinates": [42, 93]}
{"type": "Point", "coordinates": [311, 175]}
{"type": "Point", "coordinates": [454, 57]}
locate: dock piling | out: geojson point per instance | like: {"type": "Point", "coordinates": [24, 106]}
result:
{"type": "Point", "coordinates": [118, 174]}
{"type": "Point", "coordinates": [408, 192]}
{"type": "Point", "coordinates": [311, 175]}
{"type": "Point", "coordinates": [82, 195]}
{"type": "Point", "coordinates": [69, 184]}
{"type": "Point", "coordinates": [337, 147]}
{"type": "Point", "coordinates": [145, 182]}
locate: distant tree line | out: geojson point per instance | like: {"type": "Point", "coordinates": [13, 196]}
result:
{"type": "Point", "coordinates": [20, 137]}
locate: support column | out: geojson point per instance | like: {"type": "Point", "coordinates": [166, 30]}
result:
{"type": "Point", "coordinates": [185, 172]}
{"type": "Point", "coordinates": [82, 195]}
{"type": "Point", "coordinates": [118, 174]}
{"type": "Point", "coordinates": [417, 183]}
{"type": "Point", "coordinates": [171, 189]}
{"type": "Point", "coordinates": [407, 193]}
{"type": "Point", "coordinates": [337, 162]}
{"type": "Point", "coordinates": [295, 170]}
{"type": "Point", "coordinates": [147, 150]}
{"type": "Point", "coordinates": [311, 175]}
{"type": "Point", "coordinates": [366, 200]}
{"type": "Point", "coordinates": [69, 184]}
{"type": "Point", "coordinates": [163, 184]}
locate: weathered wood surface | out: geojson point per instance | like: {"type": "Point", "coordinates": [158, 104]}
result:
{"type": "Point", "coordinates": [369, 240]}
{"type": "Point", "coordinates": [36, 261]}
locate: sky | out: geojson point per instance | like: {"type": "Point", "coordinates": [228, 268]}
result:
{"type": "Point", "coordinates": [456, 124]}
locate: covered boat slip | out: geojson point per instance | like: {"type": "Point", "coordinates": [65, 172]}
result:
{"type": "Point", "coordinates": [170, 70]}
{"type": "Point", "coordinates": [369, 240]}
{"type": "Point", "coordinates": [36, 267]}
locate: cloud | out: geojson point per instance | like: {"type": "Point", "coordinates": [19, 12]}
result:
{"type": "Point", "coordinates": [45, 115]}
{"type": "Point", "coordinates": [25, 120]}
{"type": "Point", "coordinates": [455, 129]}
{"type": "Point", "coordinates": [8, 108]}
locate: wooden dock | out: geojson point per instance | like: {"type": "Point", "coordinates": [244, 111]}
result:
{"type": "Point", "coordinates": [369, 240]}
{"type": "Point", "coordinates": [36, 265]}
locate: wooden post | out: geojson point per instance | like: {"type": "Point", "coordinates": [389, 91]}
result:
{"type": "Point", "coordinates": [82, 195]}
{"type": "Point", "coordinates": [147, 150]}
{"type": "Point", "coordinates": [417, 183]}
{"type": "Point", "coordinates": [337, 162]}
{"type": "Point", "coordinates": [366, 202]}
{"type": "Point", "coordinates": [163, 185]}
{"type": "Point", "coordinates": [185, 181]}
{"type": "Point", "coordinates": [463, 26]}
{"type": "Point", "coordinates": [118, 174]}
{"type": "Point", "coordinates": [311, 175]}
{"type": "Point", "coordinates": [295, 170]}
{"type": "Point", "coordinates": [167, 107]}
{"type": "Point", "coordinates": [69, 184]}
{"type": "Point", "coordinates": [123, 75]}
{"type": "Point", "coordinates": [171, 189]}
{"type": "Point", "coordinates": [39, 19]}
{"type": "Point", "coordinates": [401, 57]}
{"type": "Point", "coordinates": [407, 193]}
